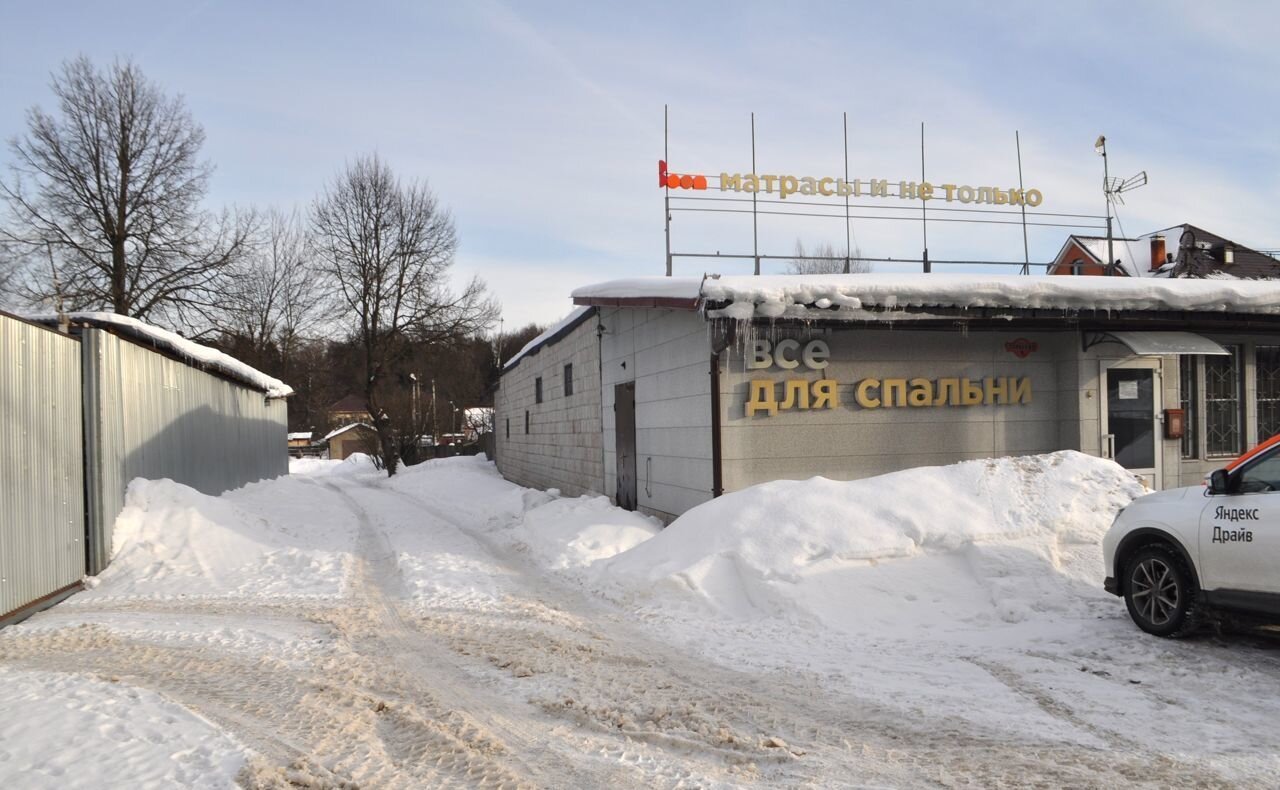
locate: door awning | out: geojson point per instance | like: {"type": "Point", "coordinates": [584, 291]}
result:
{"type": "Point", "coordinates": [1155, 344]}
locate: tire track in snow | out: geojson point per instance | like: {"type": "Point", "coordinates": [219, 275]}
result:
{"type": "Point", "coordinates": [379, 582]}
{"type": "Point", "coordinates": [830, 730]}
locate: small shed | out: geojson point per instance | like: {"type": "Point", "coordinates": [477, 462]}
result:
{"type": "Point", "coordinates": [357, 437]}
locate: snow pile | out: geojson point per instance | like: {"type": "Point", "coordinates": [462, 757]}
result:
{"type": "Point", "coordinates": [171, 540]}
{"type": "Point", "coordinates": [796, 296]}
{"type": "Point", "coordinates": [70, 731]}
{"type": "Point", "coordinates": [558, 533]}
{"type": "Point", "coordinates": [935, 547]}
{"type": "Point", "coordinates": [354, 464]}
{"type": "Point", "coordinates": [177, 344]}
{"type": "Point", "coordinates": [565, 534]}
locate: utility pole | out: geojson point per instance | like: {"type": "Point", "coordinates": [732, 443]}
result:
{"type": "Point", "coordinates": [413, 377]}
{"type": "Point", "coordinates": [435, 434]}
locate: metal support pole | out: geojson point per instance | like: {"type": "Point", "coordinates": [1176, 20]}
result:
{"type": "Point", "coordinates": [924, 210]}
{"type": "Point", "coordinates": [1106, 176]}
{"type": "Point", "coordinates": [848, 236]}
{"type": "Point", "coordinates": [755, 237]}
{"type": "Point", "coordinates": [666, 190]}
{"type": "Point", "coordinates": [1026, 253]}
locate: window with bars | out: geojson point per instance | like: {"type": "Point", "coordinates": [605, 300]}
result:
{"type": "Point", "coordinates": [1222, 405]}
{"type": "Point", "coordinates": [1267, 379]}
{"type": "Point", "coordinates": [1188, 399]}
{"type": "Point", "coordinates": [568, 379]}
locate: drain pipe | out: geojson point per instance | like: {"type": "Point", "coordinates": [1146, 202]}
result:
{"type": "Point", "coordinates": [718, 345]}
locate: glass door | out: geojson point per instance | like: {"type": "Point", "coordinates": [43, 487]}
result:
{"type": "Point", "coordinates": [1130, 417]}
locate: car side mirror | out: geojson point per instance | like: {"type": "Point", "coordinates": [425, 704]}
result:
{"type": "Point", "coordinates": [1218, 480]}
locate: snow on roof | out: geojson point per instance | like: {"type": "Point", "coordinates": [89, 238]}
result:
{"type": "Point", "coordinates": [1134, 254]}
{"type": "Point", "coordinates": [179, 345]}
{"type": "Point", "coordinates": [560, 326]}
{"type": "Point", "coordinates": [643, 288]}
{"type": "Point", "coordinates": [778, 296]}
{"type": "Point", "coordinates": [300, 435]}
{"type": "Point", "coordinates": [344, 429]}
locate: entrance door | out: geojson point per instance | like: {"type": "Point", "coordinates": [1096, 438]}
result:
{"type": "Point", "coordinates": [1130, 417]}
{"type": "Point", "coordinates": [624, 432]}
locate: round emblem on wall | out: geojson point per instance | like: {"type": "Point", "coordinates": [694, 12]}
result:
{"type": "Point", "coordinates": [1022, 348]}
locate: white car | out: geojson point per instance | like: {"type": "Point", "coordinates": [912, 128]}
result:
{"type": "Point", "coordinates": [1177, 555]}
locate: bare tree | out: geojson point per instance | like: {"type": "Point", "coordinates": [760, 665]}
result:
{"type": "Point", "coordinates": [825, 260]}
{"type": "Point", "coordinates": [8, 276]}
{"type": "Point", "coordinates": [388, 247]}
{"type": "Point", "coordinates": [113, 185]}
{"type": "Point", "coordinates": [276, 294]}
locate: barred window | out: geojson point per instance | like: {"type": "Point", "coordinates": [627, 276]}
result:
{"type": "Point", "coordinates": [568, 379]}
{"type": "Point", "coordinates": [1222, 403]}
{"type": "Point", "coordinates": [1268, 383]}
{"type": "Point", "coordinates": [1188, 400]}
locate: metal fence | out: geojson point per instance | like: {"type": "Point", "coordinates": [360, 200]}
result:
{"type": "Point", "coordinates": [80, 417]}
{"type": "Point", "coordinates": [42, 518]}
{"type": "Point", "coordinates": [150, 416]}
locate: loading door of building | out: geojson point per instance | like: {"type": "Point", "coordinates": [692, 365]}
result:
{"type": "Point", "coordinates": [1131, 415]}
{"type": "Point", "coordinates": [624, 431]}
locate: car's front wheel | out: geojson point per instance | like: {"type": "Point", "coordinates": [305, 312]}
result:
{"type": "Point", "coordinates": [1159, 592]}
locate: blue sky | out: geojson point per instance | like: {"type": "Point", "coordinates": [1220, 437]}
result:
{"type": "Point", "coordinates": [540, 124]}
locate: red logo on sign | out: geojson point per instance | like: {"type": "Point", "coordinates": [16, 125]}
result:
{"type": "Point", "coordinates": [1022, 348]}
{"type": "Point", "coordinates": [677, 181]}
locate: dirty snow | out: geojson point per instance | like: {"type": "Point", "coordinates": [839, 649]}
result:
{"type": "Point", "coordinates": [934, 627]}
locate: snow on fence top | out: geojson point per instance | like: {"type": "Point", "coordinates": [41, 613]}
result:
{"type": "Point", "coordinates": [778, 296]}
{"type": "Point", "coordinates": [203, 356]}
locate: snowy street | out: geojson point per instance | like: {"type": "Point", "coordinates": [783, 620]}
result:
{"type": "Point", "coordinates": [447, 628]}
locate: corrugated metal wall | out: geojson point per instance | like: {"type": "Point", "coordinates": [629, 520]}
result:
{"type": "Point", "coordinates": [150, 416]}
{"type": "Point", "coordinates": [41, 464]}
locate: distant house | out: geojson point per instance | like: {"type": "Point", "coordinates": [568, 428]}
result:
{"type": "Point", "coordinates": [476, 421]}
{"type": "Point", "coordinates": [349, 409]}
{"type": "Point", "coordinates": [1179, 251]}
{"type": "Point", "coordinates": [356, 437]}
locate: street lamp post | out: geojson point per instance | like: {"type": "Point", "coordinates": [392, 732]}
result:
{"type": "Point", "coordinates": [1101, 147]}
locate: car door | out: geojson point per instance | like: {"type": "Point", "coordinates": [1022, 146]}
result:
{"type": "Point", "coordinates": [1240, 531]}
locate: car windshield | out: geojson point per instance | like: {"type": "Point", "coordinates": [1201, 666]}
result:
{"type": "Point", "coordinates": [1261, 475]}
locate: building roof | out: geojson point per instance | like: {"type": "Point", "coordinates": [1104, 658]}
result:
{"type": "Point", "coordinates": [350, 403]}
{"type": "Point", "coordinates": [344, 429]}
{"type": "Point", "coordinates": [557, 330]}
{"type": "Point", "coordinates": [855, 296]}
{"type": "Point", "coordinates": [1199, 253]}
{"type": "Point", "coordinates": [195, 354]}
{"type": "Point", "coordinates": [1134, 255]}
{"type": "Point", "coordinates": [1196, 253]}
{"type": "Point", "coordinates": [300, 435]}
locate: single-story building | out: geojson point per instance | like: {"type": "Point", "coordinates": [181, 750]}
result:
{"type": "Point", "coordinates": [662, 393]}
{"type": "Point", "coordinates": [358, 437]}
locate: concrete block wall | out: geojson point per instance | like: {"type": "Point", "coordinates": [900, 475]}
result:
{"type": "Point", "coordinates": [850, 442]}
{"type": "Point", "coordinates": [667, 354]}
{"type": "Point", "coordinates": [563, 446]}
